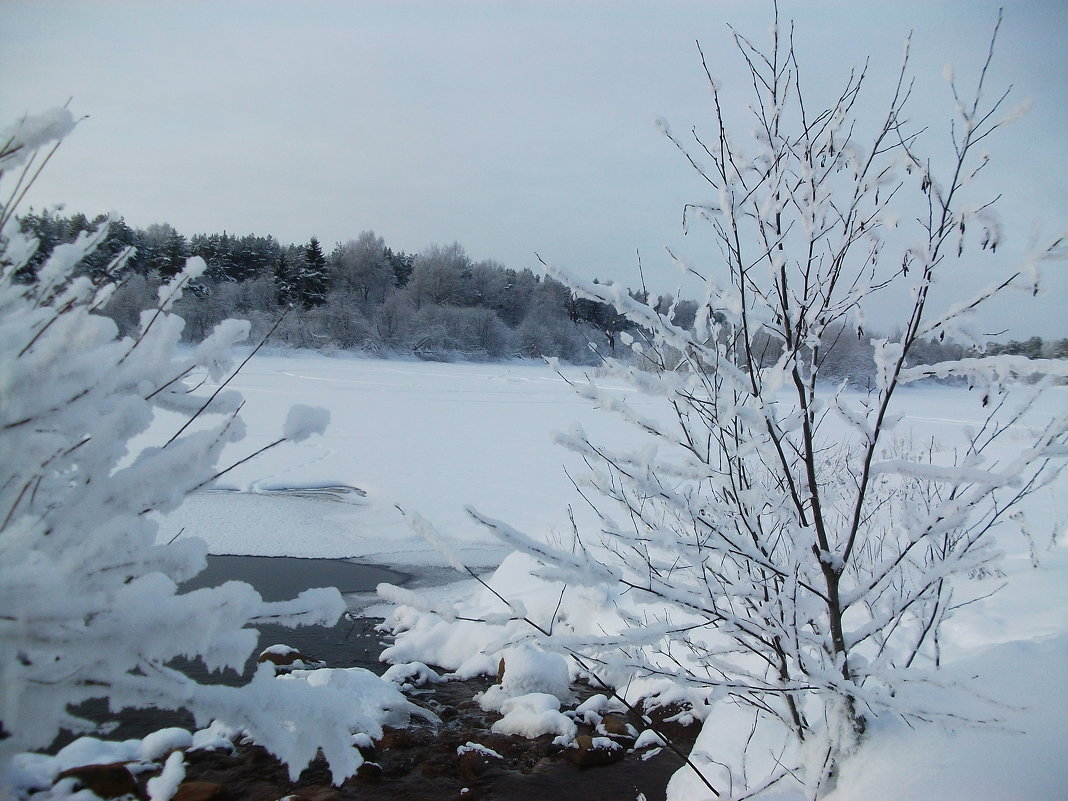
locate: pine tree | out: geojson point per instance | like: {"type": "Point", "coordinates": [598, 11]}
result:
{"type": "Point", "coordinates": [312, 281]}
{"type": "Point", "coordinates": [401, 263]}
{"type": "Point", "coordinates": [173, 252]}
{"type": "Point", "coordinates": [285, 281]}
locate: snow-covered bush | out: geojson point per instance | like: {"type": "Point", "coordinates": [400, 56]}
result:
{"type": "Point", "coordinates": [776, 546]}
{"type": "Point", "coordinates": [807, 559]}
{"type": "Point", "coordinates": [90, 606]}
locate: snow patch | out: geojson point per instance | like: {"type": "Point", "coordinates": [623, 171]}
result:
{"type": "Point", "coordinates": [530, 715]}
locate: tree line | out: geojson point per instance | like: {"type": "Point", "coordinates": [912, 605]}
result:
{"type": "Point", "coordinates": [365, 296]}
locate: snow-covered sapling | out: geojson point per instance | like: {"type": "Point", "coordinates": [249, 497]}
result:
{"type": "Point", "coordinates": [804, 559]}
{"type": "Point", "coordinates": [90, 606]}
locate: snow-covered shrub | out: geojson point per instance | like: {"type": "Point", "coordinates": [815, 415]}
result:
{"type": "Point", "coordinates": [806, 559]}
{"type": "Point", "coordinates": [773, 544]}
{"type": "Point", "coordinates": [90, 606]}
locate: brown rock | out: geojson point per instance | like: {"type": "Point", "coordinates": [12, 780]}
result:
{"type": "Point", "coordinates": [475, 763]}
{"type": "Point", "coordinates": [201, 791]}
{"type": "Point", "coordinates": [594, 752]}
{"type": "Point", "coordinates": [107, 781]}
{"type": "Point", "coordinates": [500, 671]}
{"type": "Point", "coordinates": [369, 752]}
{"type": "Point", "coordinates": [615, 726]}
{"type": "Point", "coordinates": [370, 772]}
{"type": "Point", "coordinates": [674, 721]}
{"type": "Point", "coordinates": [286, 658]}
{"type": "Point", "coordinates": [405, 738]}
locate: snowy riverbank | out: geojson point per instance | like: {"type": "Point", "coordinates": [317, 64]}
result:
{"type": "Point", "coordinates": [431, 438]}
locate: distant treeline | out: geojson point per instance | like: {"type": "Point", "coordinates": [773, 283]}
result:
{"type": "Point", "coordinates": [365, 296]}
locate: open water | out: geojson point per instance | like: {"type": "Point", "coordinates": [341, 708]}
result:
{"type": "Point", "coordinates": [353, 642]}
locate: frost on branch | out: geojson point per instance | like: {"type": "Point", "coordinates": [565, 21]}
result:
{"type": "Point", "coordinates": [90, 606]}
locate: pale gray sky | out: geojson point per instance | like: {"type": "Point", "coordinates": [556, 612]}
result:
{"type": "Point", "coordinates": [512, 127]}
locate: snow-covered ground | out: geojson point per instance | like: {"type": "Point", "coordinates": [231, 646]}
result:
{"type": "Point", "coordinates": [431, 438]}
{"type": "Point", "coordinates": [427, 437]}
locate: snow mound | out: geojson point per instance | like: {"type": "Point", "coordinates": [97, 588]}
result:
{"type": "Point", "coordinates": [164, 786]}
{"type": "Point", "coordinates": [412, 674]}
{"type": "Point", "coordinates": [531, 670]}
{"type": "Point", "coordinates": [530, 715]}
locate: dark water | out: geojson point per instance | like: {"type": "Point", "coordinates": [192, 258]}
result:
{"type": "Point", "coordinates": [351, 643]}
{"type": "Point", "coordinates": [278, 578]}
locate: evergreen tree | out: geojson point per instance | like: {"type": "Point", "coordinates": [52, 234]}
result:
{"type": "Point", "coordinates": [173, 252]}
{"type": "Point", "coordinates": [401, 263]}
{"type": "Point", "coordinates": [312, 280]}
{"type": "Point", "coordinates": [285, 281]}
{"type": "Point", "coordinates": [254, 256]}
{"type": "Point", "coordinates": [49, 229]}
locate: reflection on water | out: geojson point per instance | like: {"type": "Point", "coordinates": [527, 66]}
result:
{"type": "Point", "coordinates": [351, 643]}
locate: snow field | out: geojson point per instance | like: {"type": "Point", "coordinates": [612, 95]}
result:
{"type": "Point", "coordinates": [427, 437]}
{"type": "Point", "coordinates": [431, 438]}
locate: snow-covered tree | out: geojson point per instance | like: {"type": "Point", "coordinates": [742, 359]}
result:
{"type": "Point", "coordinates": [778, 547]}
{"type": "Point", "coordinates": [284, 276]}
{"type": "Point", "coordinates": [439, 276]}
{"type": "Point", "coordinates": [171, 252]}
{"type": "Point", "coordinates": [362, 267]}
{"type": "Point", "coordinates": [312, 278]}
{"type": "Point", "coordinates": [90, 606]}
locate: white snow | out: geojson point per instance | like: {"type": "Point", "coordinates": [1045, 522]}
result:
{"type": "Point", "coordinates": [530, 670]}
{"type": "Point", "coordinates": [93, 751]}
{"type": "Point", "coordinates": [31, 132]}
{"type": "Point", "coordinates": [1021, 755]}
{"type": "Point", "coordinates": [412, 674]}
{"type": "Point", "coordinates": [165, 785]}
{"type": "Point", "coordinates": [477, 748]}
{"type": "Point", "coordinates": [432, 438]}
{"type": "Point", "coordinates": [217, 736]}
{"type": "Point", "coordinates": [30, 772]}
{"type": "Point", "coordinates": [377, 702]}
{"type": "Point", "coordinates": [427, 437]}
{"type": "Point", "coordinates": [162, 742]}
{"type": "Point", "coordinates": [529, 715]}
{"type": "Point", "coordinates": [648, 738]}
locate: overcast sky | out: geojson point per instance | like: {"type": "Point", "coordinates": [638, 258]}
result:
{"type": "Point", "coordinates": [514, 128]}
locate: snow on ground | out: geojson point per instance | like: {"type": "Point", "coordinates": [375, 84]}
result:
{"type": "Point", "coordinates": [1021, 757]}
{"type": "Point", "coordinates": [428, 437]}
{"type": "Point", "coordinates": [433, 437]}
